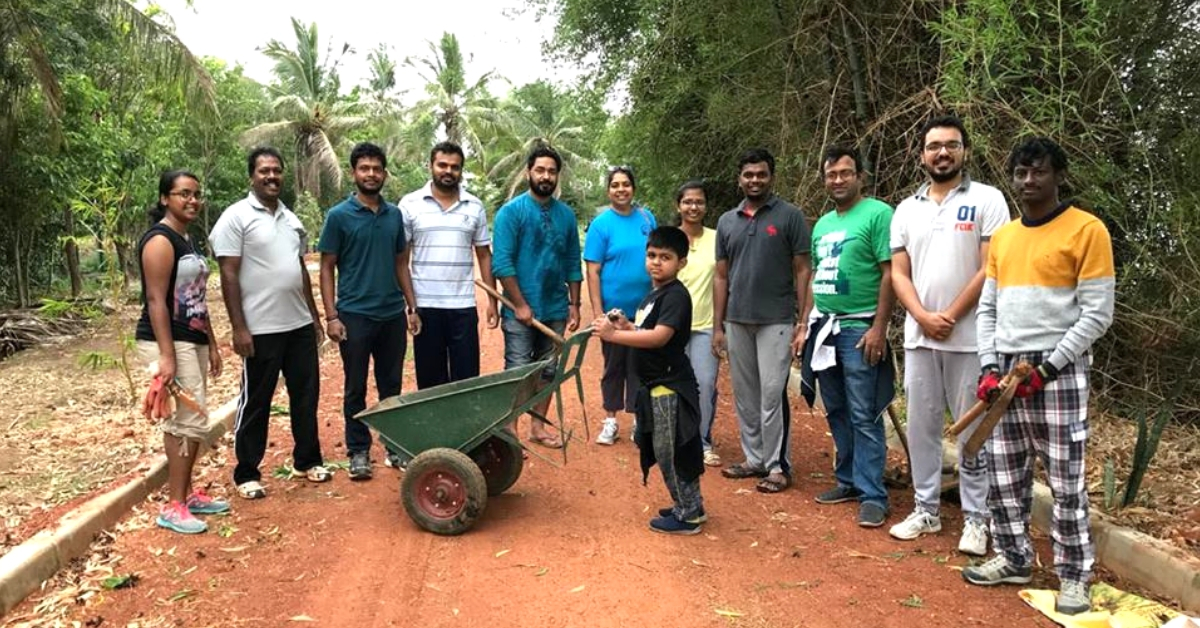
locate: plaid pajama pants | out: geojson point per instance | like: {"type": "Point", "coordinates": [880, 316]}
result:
{"type": "Point", "coordinates": [1051, 425]}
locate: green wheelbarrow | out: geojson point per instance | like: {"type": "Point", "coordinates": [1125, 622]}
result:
{"type": "Point", "coordinates": [456, 441]}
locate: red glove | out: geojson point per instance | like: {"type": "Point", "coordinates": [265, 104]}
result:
{"type": "Point", "coordinates": [989, 385]}
{"type": "Point", "coordinates": [1037, 380]}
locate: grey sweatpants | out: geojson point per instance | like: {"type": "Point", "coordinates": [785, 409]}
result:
{"type": "Point", "coordinates": [935, 380]}
{"type": "Point", "coordinates": [759, 361]}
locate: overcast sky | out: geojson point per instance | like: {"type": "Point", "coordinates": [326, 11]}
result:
{"type": "Point", "coordinates": [500, 35]}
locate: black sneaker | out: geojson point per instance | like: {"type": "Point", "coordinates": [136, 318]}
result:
{"type": "Point", "coordinates": [669, 511]}
{"type": "Point", "coordinates": [837, 495]}
{"type": "Point", "coordinates": [871, 515]}
{"type": "Point", "coordinates": [671, 525]}
{"type": "Point", "coordinates": [360, 466]}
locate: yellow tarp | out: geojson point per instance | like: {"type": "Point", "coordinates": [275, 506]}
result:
{"type": "Point", "coordinates": [1111, 608]}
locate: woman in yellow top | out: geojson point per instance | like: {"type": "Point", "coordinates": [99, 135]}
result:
{"type": "Point", "coordinates": [697, 277]}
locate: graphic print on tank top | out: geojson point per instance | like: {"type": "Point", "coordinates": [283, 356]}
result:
{"type": "Point", "coordinates": [191, 280]}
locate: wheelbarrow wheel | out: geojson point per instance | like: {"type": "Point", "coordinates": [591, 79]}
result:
{"type": "Point", "coordinates": [501, 463]}
{"type": "Point", "coordinates": [444, 491]}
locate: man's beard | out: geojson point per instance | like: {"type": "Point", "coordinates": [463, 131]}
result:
{"type": "Point", "coordinates": [544, 188]}
{"type": "Point", "coordinates": [365, 191]}
{"type": "Point", "coordinates": [942, 177]}
{"type": "Point", "coordinates": [437, 183]}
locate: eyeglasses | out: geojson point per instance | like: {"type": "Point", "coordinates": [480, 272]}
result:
{"type": "Point", "coordinates": [622, 168]}
{"type": "Point", "coordinates": [842, 175]}
{"type": "Point", "coordinates": [692, 202]}
{"type": "Point", "coordinates": [188, 195]}
{"type": "Point", "coordinates": [936, 147]}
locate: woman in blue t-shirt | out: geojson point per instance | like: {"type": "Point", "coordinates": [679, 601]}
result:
{"type": "Point", "coordinates": [615, 252]}
{"type": "Point", "coordinates": [175, 338]}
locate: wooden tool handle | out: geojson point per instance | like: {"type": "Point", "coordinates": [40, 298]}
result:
{"type": "Point", "coordinates": [539, 325]}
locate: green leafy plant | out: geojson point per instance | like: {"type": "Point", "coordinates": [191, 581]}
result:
{"type": "Point", "coordinates": [97, 360]}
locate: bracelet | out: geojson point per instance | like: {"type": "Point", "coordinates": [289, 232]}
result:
{"type": "Point", "coordinates": [330, 319]}
{"type": "Point", "coordinates": [575, 303]}
{"type": "Point", "coordinates": [410, 310]}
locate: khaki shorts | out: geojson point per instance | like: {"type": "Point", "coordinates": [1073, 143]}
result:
{"type": "Point", "coordinates": [191, 369]}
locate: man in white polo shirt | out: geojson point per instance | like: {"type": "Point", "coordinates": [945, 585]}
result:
{"type": "Point", "coordinates": [260, 245]}
{"type": "Point", "coordinates": [939, 243]}
{"type": "Point", "coordinates": [447, 227]}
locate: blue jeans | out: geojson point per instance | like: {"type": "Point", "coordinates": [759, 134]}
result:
{"type": "Point", "coordinates": [367, 338]}
{"type": "Point", "coordinates": [705, 365]}
{"type": "Point", "coordinates": [525, 345]}
{"type": "Point", "coordinates": [849, 392]}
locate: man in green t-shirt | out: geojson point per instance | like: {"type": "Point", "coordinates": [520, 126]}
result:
{"type": "Point", "coordinates": [848, 350]}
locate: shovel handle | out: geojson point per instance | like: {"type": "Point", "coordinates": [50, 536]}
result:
{"type": "Point", "coordinates": [539, 325]}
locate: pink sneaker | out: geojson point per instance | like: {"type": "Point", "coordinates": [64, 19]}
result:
{"type": "Point", "coordinates": [175, 516]}
{"type": "Point", "coordinates": [199, 503]}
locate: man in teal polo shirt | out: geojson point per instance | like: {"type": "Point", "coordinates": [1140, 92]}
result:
{"type": "Point", "coordinates": [536, 258]}
{"type": "Point", "coordinates": [364, 253]}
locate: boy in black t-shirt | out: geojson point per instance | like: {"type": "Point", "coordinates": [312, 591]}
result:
{"type": "Point", "coordinates": [668, 399]}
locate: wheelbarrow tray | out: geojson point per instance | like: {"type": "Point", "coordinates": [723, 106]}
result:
{"type": "Point", "coordinates": [459, 415]}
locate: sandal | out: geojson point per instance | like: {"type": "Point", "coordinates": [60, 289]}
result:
{"type": "Point", "coordinates": [547, 441]}
{"type": "Point", "coordinates": [251, 490]}
{"type": "Point", "coordinates": [741, 471]}
{"type": "Point", "coordinates": [316, 474]}
{"type": "Point", "coordinates": [774, 483]}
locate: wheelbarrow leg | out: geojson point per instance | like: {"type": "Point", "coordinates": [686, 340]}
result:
{"type": "Point", "coordinates": [587, 433]}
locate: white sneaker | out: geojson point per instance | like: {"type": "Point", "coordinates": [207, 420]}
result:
{"type": "Point", "coordinates": [974, 539]}
{"type": "Point", "coordinates": [608, 433]}
{"type": "Point", "coordinates": [918, 523]}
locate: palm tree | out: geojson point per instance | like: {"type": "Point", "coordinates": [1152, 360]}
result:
{"type": "Point", "coordinates": [462, 111]}
{"type": "Point", "coordinates": [308, 109]}
{"type": "Point", "coordinates": [539, 115]}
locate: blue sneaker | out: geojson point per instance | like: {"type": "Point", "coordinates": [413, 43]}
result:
{"type": "Point", "coordinates": [669, 511]}
{"type": "Point", "coordinates": [198, 503]}
{"type": "Point", "coordinates": [175, 516]}
{"type": "Point", "coordinates": [671, 525]}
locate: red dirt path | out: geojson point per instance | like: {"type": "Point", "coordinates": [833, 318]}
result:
{"type": "Point", "coordinates": [565, 547]}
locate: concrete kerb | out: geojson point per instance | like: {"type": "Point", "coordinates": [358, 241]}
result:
{"type": "Point", "coordinates": [27, 566]}
{"type": "Point", "coordinates": [1157, 567]}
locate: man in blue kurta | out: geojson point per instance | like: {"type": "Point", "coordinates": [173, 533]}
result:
{"type": "Point", "coordinates": [537, 260]}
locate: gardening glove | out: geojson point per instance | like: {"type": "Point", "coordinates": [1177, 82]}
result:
{"type": "Point", "coordinates": [1037, 380]}
{"type": "Point", "coordinates": [989, 384]}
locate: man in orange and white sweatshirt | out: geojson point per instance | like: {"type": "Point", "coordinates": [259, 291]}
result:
{"type": "Point", "coordinates": [1047, 298]}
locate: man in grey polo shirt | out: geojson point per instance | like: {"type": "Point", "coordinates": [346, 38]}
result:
{"type": "Point", "coordinates": [939, 242]}
{"type": "Point", "coordinates": [447, 227]}
{"type": "Point", "coordinates": [260, 245]}
{"type": "Point", "coordinates": [761, 281]}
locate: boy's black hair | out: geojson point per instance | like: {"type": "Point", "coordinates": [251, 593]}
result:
{"type": "Point", "coordinates": [367, 150]}
{"type": "Point", "coordinates": [670, 238]}
{"type": "Point", "coordinates": [1037, 148]}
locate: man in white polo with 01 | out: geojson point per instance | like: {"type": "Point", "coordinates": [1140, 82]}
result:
{"type": "Point", "coordinates": [940, 239]}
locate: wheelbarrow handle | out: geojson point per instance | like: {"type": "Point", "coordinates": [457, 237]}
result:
{"type": "Point", "coordinates": [539, 325]}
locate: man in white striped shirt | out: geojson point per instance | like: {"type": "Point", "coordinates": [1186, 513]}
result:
{"type": "Point", "coordinates": [447, 226]}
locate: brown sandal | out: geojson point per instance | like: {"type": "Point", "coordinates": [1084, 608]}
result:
{"type": "Point", "coordinates": [774, 483]}
{"type": "Point", "coordinates": [740, 471]}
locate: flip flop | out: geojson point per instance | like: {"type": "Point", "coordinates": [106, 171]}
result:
{"type": "Point", "coordinates": [549, 442]}
{"type": "Point", "coordinates": [774, 483]}
{"type": "Point", "coordinates": [251, 490]}
{"type": "Point", "coordinates": [316, 474]}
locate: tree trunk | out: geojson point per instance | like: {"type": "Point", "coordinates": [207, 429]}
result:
{"type": "Point", "coordinates": [71, 252]}
{"type": "Point", "coordinates": [19, 266]}
{"type": "Point", "coordinates": [128, 266]}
